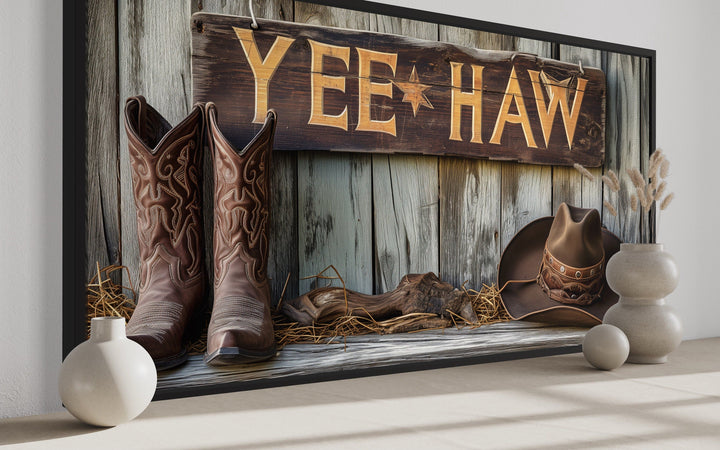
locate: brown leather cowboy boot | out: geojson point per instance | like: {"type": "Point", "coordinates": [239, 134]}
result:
{"type": "Point", "coordinates": [166, 167]}
{"type": "Point", "coordinates": [241, 328]}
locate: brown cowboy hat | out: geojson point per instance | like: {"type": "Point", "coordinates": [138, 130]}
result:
{"type": "Point", "coordinates": [553, 270]}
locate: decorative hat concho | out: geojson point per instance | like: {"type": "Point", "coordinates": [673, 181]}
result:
{"type": "Point", "coordinates": [571, 285]}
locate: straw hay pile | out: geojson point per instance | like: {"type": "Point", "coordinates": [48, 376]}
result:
{"type": "Point", "coordinates": [106, 298]}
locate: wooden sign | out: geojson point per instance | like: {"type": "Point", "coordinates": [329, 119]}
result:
{"type": "Point", "coordinates": [347, 90]}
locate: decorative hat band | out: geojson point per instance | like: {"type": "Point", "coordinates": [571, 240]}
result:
{"type": "Point", "coordinates": [570, 285]}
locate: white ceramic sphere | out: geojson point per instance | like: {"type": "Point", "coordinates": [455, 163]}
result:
{"type": "Point", "coordinates": [606, 347]}
{"type": "Point", "coordinates": [108, 379]}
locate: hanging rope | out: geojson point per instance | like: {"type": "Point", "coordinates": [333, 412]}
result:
{"type": "Point", "coordinates": [254, 24]}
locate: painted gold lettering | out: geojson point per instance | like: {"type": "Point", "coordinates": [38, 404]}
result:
{"type": "Point", "coordinates": [368, 88]}
{"type": "Point", "coordinates": [263, 69]}
{"type": "Point", "coordinates": [512, 92]}
{"type": "Point", "coordinates": [557, 95]}
{"type": "Point", "coordinates": [320, 82]}
{"type": "Point", "coordinates": [459, 99]}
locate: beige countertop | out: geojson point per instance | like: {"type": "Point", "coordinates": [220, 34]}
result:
{"type": "Point", "coordinates": [541, 403]}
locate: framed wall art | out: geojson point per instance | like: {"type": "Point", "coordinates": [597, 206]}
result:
{"type": "Point", "coordinates": [410, 150]}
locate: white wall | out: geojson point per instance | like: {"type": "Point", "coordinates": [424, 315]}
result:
{"type": "Point", "coordinates": [30, 205]}
{"type": "Point", "coordinates": [683, 33]}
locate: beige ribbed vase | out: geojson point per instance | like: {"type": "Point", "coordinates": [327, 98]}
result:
{"type": "Point", "coordinates": [643, 275]}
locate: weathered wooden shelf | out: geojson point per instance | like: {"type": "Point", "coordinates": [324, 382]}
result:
{"type": "Point", "coordinates": [306, 362]}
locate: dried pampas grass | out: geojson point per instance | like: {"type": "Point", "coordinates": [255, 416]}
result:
{"type": "Point", "coordinates": [610, 208]}
{"type": "Point", "coordinates": [586, 173]}
{"type": "Point", "coordinates": [611, 181]}
{"type": "Point", "coordinates": [607, 182]}
{"type": "Point", "coordinates": [649, 195]}
{"type": "Point", "coordinates": [655, 165]}
{"type": "Point", "coordinates": [653, 184]}
{"type": "Point", "coordinates": [666, 202]}
{"type": "Point", "coordinates": [637, 178]}
{"type": "Point", "coordinates": [665, 169]}
{"type": "Point", "coordinates": [615, 181]}
{"type": "Point", "coordinates": [660, 190]}
{"type": "Point", "coordinates": [657, 154]}
{"type": "Point", "coordinates": [649, 192]}
{"type": "Point", "coordinates": [640, 192]}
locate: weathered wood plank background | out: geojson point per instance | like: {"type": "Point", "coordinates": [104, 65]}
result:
{"type": "Point", "coordinates": [374, 217]}
{"type": "Point", "coordinates": [102, 203]}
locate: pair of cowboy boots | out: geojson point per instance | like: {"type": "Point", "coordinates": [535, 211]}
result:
{"type": "Point", "coordinates": [166, 167]}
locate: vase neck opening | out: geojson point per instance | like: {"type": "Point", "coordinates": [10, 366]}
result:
{"type": "Point", "coordinates": [107, 328]}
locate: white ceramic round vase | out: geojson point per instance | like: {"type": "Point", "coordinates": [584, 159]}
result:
{"type": "Point", "coordinates": [643, 275]}
{"type": "Point", "coordinates": [108, 379]}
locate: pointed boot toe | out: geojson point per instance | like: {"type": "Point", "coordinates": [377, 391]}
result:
{"type": "Point", "coordinates": [166, 165]}
{"type": "Point", "coordinates": [240, 331]}
{"type": "Point", "coordinates": [241, 328]}
{"type": "Point", "coordinates": [237, 347]}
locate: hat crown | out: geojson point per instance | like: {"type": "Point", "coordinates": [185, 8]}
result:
{"type": "Point", "coordinates": [575, 236]}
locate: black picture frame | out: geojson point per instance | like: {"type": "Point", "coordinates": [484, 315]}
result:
{"type": "Point", "coordinates": [74, 172]}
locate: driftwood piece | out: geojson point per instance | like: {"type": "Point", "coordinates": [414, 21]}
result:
{"type": "Point", "coordinates": [416, 293]}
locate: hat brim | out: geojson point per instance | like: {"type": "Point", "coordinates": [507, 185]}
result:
{"type": "Point", "coordinates": [521, 261]}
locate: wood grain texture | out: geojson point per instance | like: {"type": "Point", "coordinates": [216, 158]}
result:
{"type": "Point", "coordinates": [469, 199]}
{"type": "Point", "coordinates": [526, 191]}
{"type": "Point", "coordinates": [335, 218]}
{"type": "Point", "coordinates": [469, 221]}
{"type": "Point", "coordinates": [263, 9]}
{"type": "Point", "coordinates": [103, 202]}
{"type": "Point", "coordinates": [405, 204]}
{"type": "Point", "coordinates": [154, 55]}
{"type": "Point", "coordinates": [283, 253]}
{"type": "Point", "coordinates": [623, 141]}
{"type": "Point", "coordinates": [405, 196]}
{"type": "Point", "coordinates": [542, 49]}
{"type": "Point", "coordinates": [568, 185]}
{"type": "Point", "coordinates": [335, 191]}
{"type": "Point", "coordinates": [363, 105]}
{"type": "Point", "coordinates": [372, 351]}
{"type": "Point", "coordinates": [526, 195]}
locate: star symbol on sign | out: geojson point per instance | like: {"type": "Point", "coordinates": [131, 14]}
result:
{"type": "Point", "coordinates": [413, 91]}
